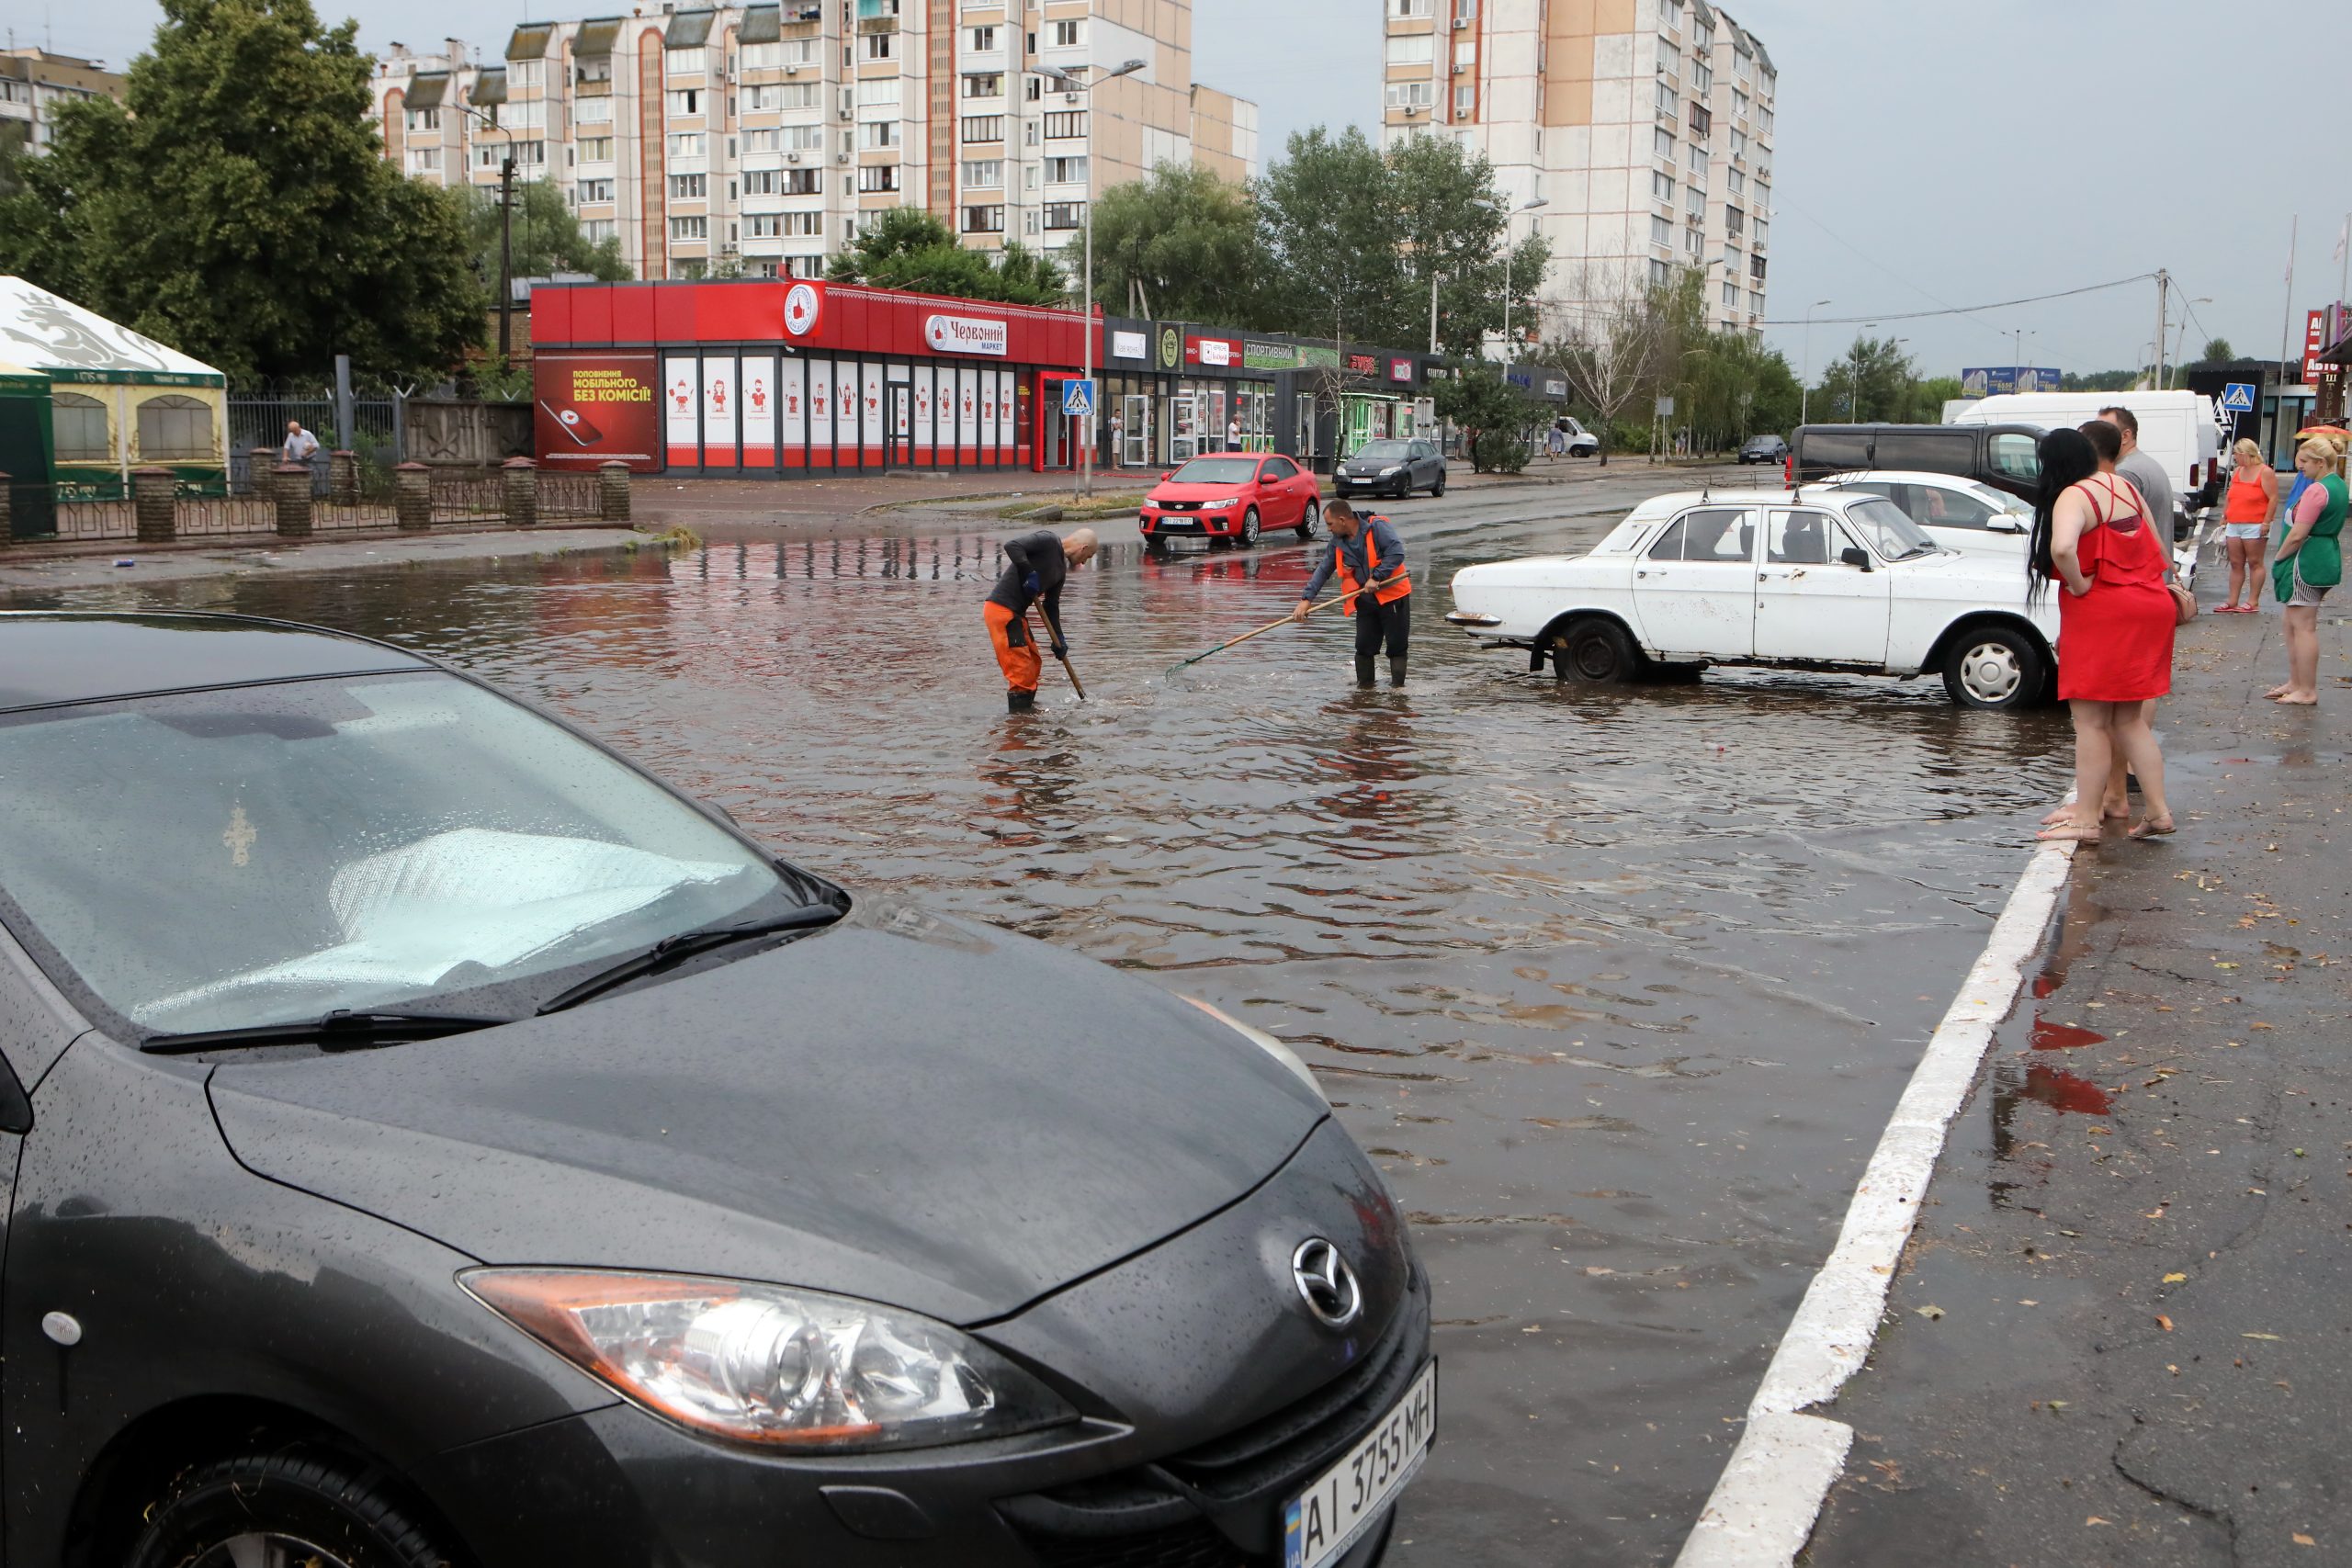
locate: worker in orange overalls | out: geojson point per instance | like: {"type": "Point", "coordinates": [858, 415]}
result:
{"type": "Point", "coordinates": [1038, 564]}
{"type": "Point", "coordinates": [1370, 561]}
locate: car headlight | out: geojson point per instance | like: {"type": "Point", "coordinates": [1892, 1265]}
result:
{"type": "Point", "coordinates": [1391, 468]}
{"type": "Point", "coordinates": [764, 1364]}
{"type": "Point", "coordinates": [1218, 505]}
{"type": "Point", "coordinates": [1266, 1042]}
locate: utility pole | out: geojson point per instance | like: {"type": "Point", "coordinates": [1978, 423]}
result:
{"type": "Point", "coordinates": [1510, 354]}
{"type": "Point", "coordinates": [2164, 282]}
{"type": "Point", "coordinates": [1432, 309]}
{"type": "Point", "coordinates": [2287, 327]}
{"type": "Point", "coordinates": [1805, 376]}
{"type": "Point", "coordinates": [507, 257]}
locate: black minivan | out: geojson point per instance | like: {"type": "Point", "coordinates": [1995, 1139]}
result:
{"type": "Point", "coordinates": [2005, 457]}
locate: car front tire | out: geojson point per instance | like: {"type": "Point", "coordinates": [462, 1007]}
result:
{"type": "Point", "coordinates": [1596, 650]}
{"type": "Point", "coordinates": [1250, 528]}
{"type": "Point", "coordinates": [295, 1506]}
{"type": "Point", "coordinates": [1994, 668]}
{"type": "Point", "coordinates": [1310, 518]}
{"type": "Point", "coordinates": [1437, 486]}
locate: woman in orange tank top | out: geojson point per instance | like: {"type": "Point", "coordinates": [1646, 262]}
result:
{"type": "Point", "coordinates": [2250, 508]}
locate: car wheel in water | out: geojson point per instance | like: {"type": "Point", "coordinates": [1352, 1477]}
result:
{"type": "Point", "coordinates": [1993, 666]}
{"type": "Point", "coordinates": [1437, 488]}
{"type": "Point", "coordinates": [1594, 649]}
{"type": "Point", "coordinates": [1250, 528]}
{"type": "Point", "coordinates": [290, 1509]}
{"type": "Point", "coordinates": [1310, 518]}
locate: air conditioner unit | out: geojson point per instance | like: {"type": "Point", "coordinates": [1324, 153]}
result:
{"type": "Point", "coordinates": [841, 157]}
{"type": "Point", "coordinates": [844, 114]}
{"type": "Point", "coordinates": [1462, 68]}
{"type": "Point", "coordinates": [792, 157]}
{"type": "Point", "coordinates": [791, 69]}
{"type": "Point", "coordinates": [1462, 114]}
{"type": "Point", "coordinates": [1461, 24]}
{"type": "Point", "coordinates": [1069, 98]}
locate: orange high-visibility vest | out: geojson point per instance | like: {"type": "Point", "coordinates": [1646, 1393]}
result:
{"type": "Point", "coordinates": [1389, 592]}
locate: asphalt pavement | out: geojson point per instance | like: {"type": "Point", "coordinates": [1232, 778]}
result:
{"type": "Point", "coordinates": [2123, 1332]}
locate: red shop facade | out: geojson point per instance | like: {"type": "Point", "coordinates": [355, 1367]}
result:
{"type": "Point", "coordinates": [774, 378]}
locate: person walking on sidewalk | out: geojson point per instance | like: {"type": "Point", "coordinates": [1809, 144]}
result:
{"type": "Point", "coordinates": [2093, 534]}
{"type": "Point", "coordinates": [1038, 566]}
{"type": "Point", "coordinates": [1370, 561]}
{"type": "Point", "coordinates": [2248, 513]}
{"type": "Point", "coordinates": [2309, 563]}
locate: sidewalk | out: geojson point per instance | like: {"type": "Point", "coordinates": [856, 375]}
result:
{"type": "Point", "coordinates": [38, 569]}
{"type": "Point", "coordinates": [2122, 1334]}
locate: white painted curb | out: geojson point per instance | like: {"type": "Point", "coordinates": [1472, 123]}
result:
{"type": "Point", "coordinates": [1762, 1509]}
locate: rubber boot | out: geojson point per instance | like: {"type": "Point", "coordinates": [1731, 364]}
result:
{"type": "Point", "coordinates": [1364, 676]}
{"type": "Point", "coordinates": [1396, 669]}
{"type": "Point", "coordinates": [1017, 701]}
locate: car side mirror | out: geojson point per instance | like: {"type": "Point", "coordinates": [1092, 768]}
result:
{"type": "Point", "coordinates": [1169, 475]}
{"type": "Point", "coordinates": [1854, 555]}
{"type": "Point", "coordinates": [2005, 526]}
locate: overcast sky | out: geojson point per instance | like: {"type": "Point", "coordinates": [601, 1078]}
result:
{"type": "Point", "coordinates": [1930, 155]}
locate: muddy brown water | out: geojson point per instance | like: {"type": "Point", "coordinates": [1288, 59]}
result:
{"type": "Point", "coordinates": [1617, 986]}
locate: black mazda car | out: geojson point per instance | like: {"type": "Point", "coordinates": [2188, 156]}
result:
{"type": "Point", "coordinates": [431, 1140]}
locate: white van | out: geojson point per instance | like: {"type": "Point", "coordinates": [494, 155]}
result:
{"type": "Point", "coordinates": [2176, 428]}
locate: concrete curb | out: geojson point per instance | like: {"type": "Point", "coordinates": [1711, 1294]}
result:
{"type": "Point", "coordinates": [1764, 1505]}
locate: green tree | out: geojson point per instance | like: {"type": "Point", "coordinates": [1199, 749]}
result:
{"type": "Point", "coordinates": [2217, 352]}
{"type": "Point", "coordinates": [1434, 188]}
{"type": "Point", "coordinates": [2100, 381]}
{"type": "Point", "coordinates": [1873, 380]}
{"type": "Point", "coordinates": [1179, 244]}
{"type": "Point", "coordinates": [907, 247]}
{"type": "Point", "coordinates": [1498, 415]}
{"type": "Point", "coordinates": [1330, 246]}
{"type": "Point", "coordinates": [239, 207]}
{"type": "Point", "coordinates": [546, 236]}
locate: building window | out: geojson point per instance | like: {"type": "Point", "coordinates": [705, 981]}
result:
{"type": "Point", "coordinates": [418, 119]}
{"type": "Point", "coordinates": [685, 100]}
{"type": "Point", "coordinates": [1661, 274]}
{"type": "Point", "coordinates": [803, 224]}
{"type": "Point", "coordinates": [761, 56]}
{"type": "Point", "coordinates": [878, 178]}
{"type": "Point", "coordinates": [1702, 76]}
{"type": "Point", "coordinates": [530, 154]}
{"type": "Point", "coordinates": [803, 267]}
{"type": "Point", "coordinates": [686, 144]}
{"type": "Point", "coordinates": [1060, 215]}
{"type": "Point", "coordinates": [984, 84]}
{"type": "Point", "coordinates": [1756, 268]}
{"type": "Point", "coordinates": [984, 220]}
{"type": "Point", "coordinates": [1732, 221]}
{"type": "Point", "coordinates": [1066, 124]}
{"type": "Point", "coordinates": [1464, 99]}
{"type": "Point", "coordinates": [690, 228]}
{"type": "Point", "coordinates": [984, 128]}
{"type": "Point", "coordinates": [1066, 171]}
{"type": "Point", "coordinates": [878, 45]}
{"type": "Point", "coordinates": [1670, 59]}
{"type": "Point", "coordinates": [1740, 65]}
{"type": "Point", "coordinates": [1029, 177]}
{"type": "Point", "coordinates": [593, 111]}
{"type": "Point", "coordinates": [686, 61]}
{"type": "Point", "coordinates": [424, 159]}
{"type": "Point", "coordinates": [1755, 304]}
{"type": "Point", "coordinates": [1662, 143]}
{"type": "Point", "coordinates": [1738, 103]}
{"type": "Point", "coordinates": [1666, 100]}
{"type": "Point", "coordinates": [988, 173]}
{"type": "Point", "coordinates": [1702, 119]}
{"type": "Point", "coordinates": [763, 225]}
{"type": "Point", "coordinates": [1029, 221]}
{"type": "Point", "coordinates": [1661, 185]}
{"type": "Point", "coordinates": [1412, 48]}
{"type": "Point", "coordinates": [884, 91]}
{"type": "Point", "coordinates": [1412, 8]}
{"type": "Point", "coordinates": [595, 148]}
{"type": "Point", "coordinates": [877, 133]}
{"type": "Point", "coordinates": [174, 427]}
{"type": "Point", "coordinates": [596, 231]}
{"type": "Point", "coordinates": [79, 426]}
{"type": "Point", "coordinates": [1695, 202]}
{"type": "Point", "coordinates": [1698, 161]}
{"type": "Point", "coordinates": [689, 188]}
{"type": "Point", "coordinates": [1069, 35]}
{"type": "Point", "coordinates": [983, 40]}
{"type": "Point", "coordinates": [1691, 235]}
{"type": "Point", "coordinates": [1661, 231]}
{"type": "Point", "coordinates": [1731, 295]}
{"type": "Point", "coordinates": [1764, 121]}
{"type": "Point", "coordinates": [1758, 239]}
{"type": "Point", "coordinates": [588, 191]}
{"type": "Point", "coordinates": [1410, 94]}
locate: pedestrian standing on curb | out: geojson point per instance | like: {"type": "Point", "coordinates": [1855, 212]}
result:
{"type": "Point", "coordinates": [2093, 535]}
{"type": "Point", "coordinates": [2309, 562]}
{"type": "Point", "coordinates": [2147, 475]}
{"type": "Point", "coordinates": [1038, 565]}
{"type": "Point", "coordinates": [2248, 513]}
{"type": "Point", "coordinates": [301, 445]}
{"type": "Point", "coordinates": [1370, 561]}
{"type": "Point", "coordinates": [1118, 443]}
{"type": "Point", "coordinates": [1233, 435]}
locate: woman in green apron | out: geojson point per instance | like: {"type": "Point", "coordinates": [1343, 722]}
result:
{"type": "Point", "coordinates": [2309, 563]}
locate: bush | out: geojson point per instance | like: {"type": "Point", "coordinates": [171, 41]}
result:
{"type": "Point", "coordinates": [1499, 451]}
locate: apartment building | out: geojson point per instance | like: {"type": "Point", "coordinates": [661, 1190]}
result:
{"type": "Point", "coordinates": [34, 82]}
{"type": "Point", "coordinates": [1644, 127]}
{"type": "Point", "coordinates": [755, 139]}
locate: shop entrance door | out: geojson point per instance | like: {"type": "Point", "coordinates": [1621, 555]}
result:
{"type": "Point", "coordinates": [1134, 437]}
{"type": "Point", "coordinates": [1184, 428]}
{"type": "Point", "coordinates": [898, 404]}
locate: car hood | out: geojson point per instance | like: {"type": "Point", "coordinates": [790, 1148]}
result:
{"type": "Point", "coordinates": [901, 1108]}
{"type": "Point", "coordinates": [1372, 465]}
{"type": "Point", "coordinates": [1169, 490]}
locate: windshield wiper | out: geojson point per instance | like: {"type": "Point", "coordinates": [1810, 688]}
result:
{"type": "Point", "coordinates": [341, 1030]}
{"type": "Point", "coordinates": [677, 948]}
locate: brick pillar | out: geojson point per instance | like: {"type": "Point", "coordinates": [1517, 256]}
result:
{"type": "Point", "coordinates": [342, 476]}
{"type": "Point", "coordinates": [522, 493]}
{"type": "Point", "coordinates": [291, 484]}
{"type": "Point", "coordinates": [612, 491]}
{"type": "Point", "coordinates": [152, 504]}
{"type": "Point", "coordinates": [413, 496]}
{"type": "Point", "coordinates": [259, 463]}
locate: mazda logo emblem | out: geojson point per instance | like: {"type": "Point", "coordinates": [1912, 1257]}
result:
{"type": "Point", "coordinates": [1326, 1283]}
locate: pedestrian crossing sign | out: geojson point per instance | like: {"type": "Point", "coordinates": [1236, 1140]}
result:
{"type": "Point", "coordinates": [1078, 399]}
{"type": "Point", "coordinates": [2237, 396]}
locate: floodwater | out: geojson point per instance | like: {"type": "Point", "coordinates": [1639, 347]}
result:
{"type": "Point", "coordinates": [1618, 986]}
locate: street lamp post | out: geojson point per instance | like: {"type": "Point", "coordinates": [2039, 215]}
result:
{"type": "Point", "coordinates": [1804, 387]}
{"type": "Point", "coordinates": [1070, 84]}
{"type": "Point", "coordinates": [1509, 350]}
{"type": "Point", "coordinates": [505, 234]}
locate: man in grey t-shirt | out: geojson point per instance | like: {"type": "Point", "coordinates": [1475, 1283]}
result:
{"type": "Point", "coordinates": [2147, 475]}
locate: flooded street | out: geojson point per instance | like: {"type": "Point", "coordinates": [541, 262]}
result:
{"type": "Point", "coordinates": [1618, 986]}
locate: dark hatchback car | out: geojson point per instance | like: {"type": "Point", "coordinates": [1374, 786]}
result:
{"type": "Point", "coordinates": [1391, 467]}
{"type": "Point", "coordinates": [1763, 450]}
{"type": "Point", "coordinates": [431, 1140]}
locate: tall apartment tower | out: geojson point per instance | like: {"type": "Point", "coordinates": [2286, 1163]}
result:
{"type": "Point", "coordinates": [1644, 127]}
{"type": "Point", "coordinates": [756, 138]}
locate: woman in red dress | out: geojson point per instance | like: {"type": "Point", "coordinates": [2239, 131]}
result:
{"type": "Point", "coordinates": [2115, 616]}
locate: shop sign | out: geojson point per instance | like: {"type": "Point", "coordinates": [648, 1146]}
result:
{"type": "Point", "coordinates": [965, 334]}
{"type": "Point", "coordinates": [1269, 356]}
{"type": "Point", "coordinates": [1400, 370]}
{"type": "Point", "coordinates": [1363, 363]}
{"type": "Point", "coordinates": [1172, 349]}
{"type": "Point", "coordinates": [1324, 358]}
{"type": "Point", "coordinates": [2315, 340]}
{"type": "Point", "coordinates": [1127, 346]}
{"type": "Point", "coordinates": [804, 303]}
{"type": "Point", "coordinates": [1555, 386]}
{"type": "Point", "coordinates": [1221, 351]}
{"type": "Point", "coordinates": [597, 408]}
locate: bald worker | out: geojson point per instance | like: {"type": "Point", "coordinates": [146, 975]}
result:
{"type": "Point", "coordinates": [1038, 564]}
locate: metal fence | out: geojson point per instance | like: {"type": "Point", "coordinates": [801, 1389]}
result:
{"type": "Point", "coordinates": [569, 496]}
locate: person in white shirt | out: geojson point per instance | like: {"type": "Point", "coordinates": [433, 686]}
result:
{"type": "Point", "coordinates": [301, 445]}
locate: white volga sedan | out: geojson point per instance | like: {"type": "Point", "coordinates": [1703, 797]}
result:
{"type": "Point", "coordinates": [1817, 579]}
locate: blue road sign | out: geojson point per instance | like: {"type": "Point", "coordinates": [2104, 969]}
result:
{"type": "Point", "coordinates": [1078, 399]}
{"type": "Point", "coordinates": [2237, 396]}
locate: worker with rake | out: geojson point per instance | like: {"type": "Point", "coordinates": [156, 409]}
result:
{"type": "Point", "coordinates": [1370, 561]}
{"type": "Point", "coordinates": [1038, 565]}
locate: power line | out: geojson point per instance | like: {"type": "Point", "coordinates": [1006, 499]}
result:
{"type": "Point", "coordinates": [1958, 310]}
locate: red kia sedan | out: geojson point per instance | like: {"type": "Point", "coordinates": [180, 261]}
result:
{"type": "Point", "coordinates": [1234, 497]}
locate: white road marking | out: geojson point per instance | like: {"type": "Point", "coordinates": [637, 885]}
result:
{"type": "Point", "coordinates": [1762, 1509]}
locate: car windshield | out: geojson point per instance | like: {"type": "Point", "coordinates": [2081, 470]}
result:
{"type": "Point", "coordinates": [263, 854]}
{"type": "Point", "coordinates": [1890, 533]}
{"type": "Point", "coordinates": [1381, 452]}
{"type": "Point", "coordinates": [1217, 471]}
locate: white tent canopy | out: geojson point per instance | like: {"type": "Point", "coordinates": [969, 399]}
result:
{"type": "Point", "coordinates": [40, 330]}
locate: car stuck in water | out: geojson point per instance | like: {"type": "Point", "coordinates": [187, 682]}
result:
{"type": "Point", "coordinates": [1819, 579]}
{"type": "Point", "coordinates": [434, 1140]}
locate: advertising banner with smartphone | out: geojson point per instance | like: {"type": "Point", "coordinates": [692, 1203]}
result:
{"type": "Point", "coordinates": [597, 408]}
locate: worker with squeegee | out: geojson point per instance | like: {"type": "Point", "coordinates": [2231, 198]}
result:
{"type": "Point", "coordinates": [1370, 560]}
{"type": "Point", "coordinates": [1040, 562]}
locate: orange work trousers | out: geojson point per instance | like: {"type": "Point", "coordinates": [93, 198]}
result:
{"type": "Point", "coordinates": [1016, 650]}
